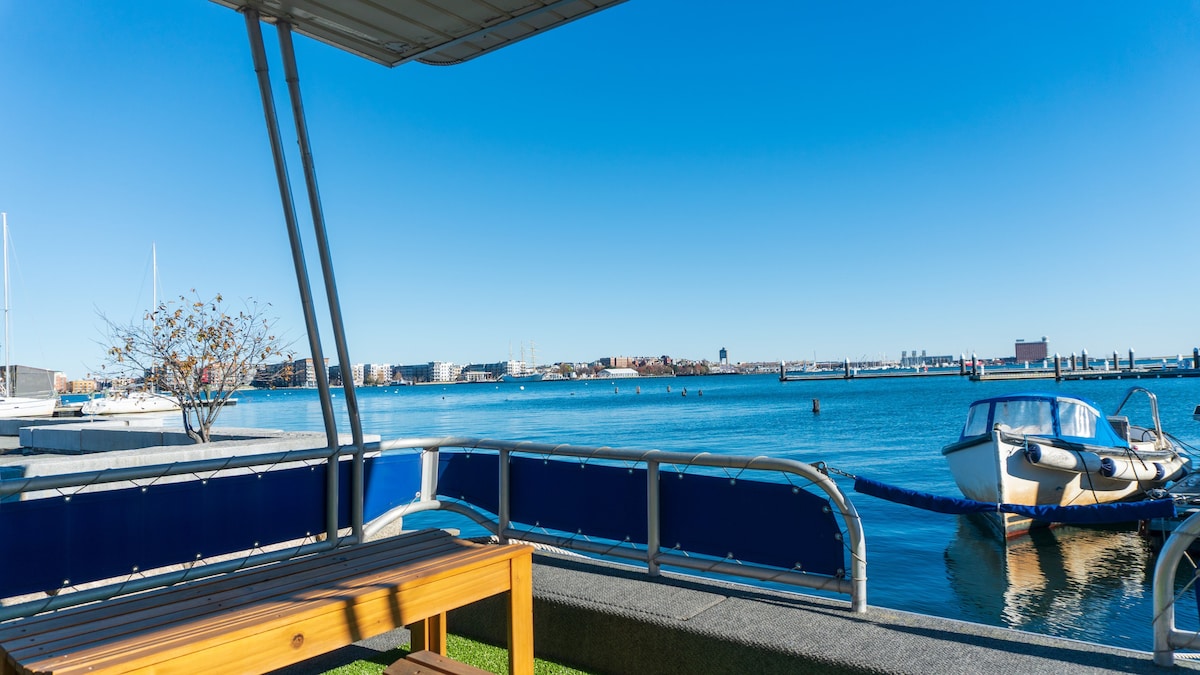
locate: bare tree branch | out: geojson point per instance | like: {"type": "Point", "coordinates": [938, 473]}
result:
{"type": "Point", "coordinates": [195, 352]}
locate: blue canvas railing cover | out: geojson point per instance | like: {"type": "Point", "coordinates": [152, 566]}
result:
{"type": "Point", "coordinates": [90, 536]}
{"type": "Point", "coordinates": [774, 524]}
{"type": "Point", "coordinates": [85, 536]}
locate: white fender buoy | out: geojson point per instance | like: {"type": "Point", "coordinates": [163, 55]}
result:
{"type": "Point", "coordinates": [1131, 470]}
{"type": "Point", "coordinates": [1050, 457]}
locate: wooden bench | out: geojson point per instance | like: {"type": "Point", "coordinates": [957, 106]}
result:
{"type": "Point", "coordinates": [268, 617]}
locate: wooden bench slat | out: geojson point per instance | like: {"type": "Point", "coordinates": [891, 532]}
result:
{"type": "Point", "coordinates": [323, 625]}
{"type": "Point", "coordinates": [413, 544]}
{"type": "Point", "coordinates": [272, 644]}
{"type": "Point", "coordinates": [271, 605]}
{"type": "Point", "coordinates": [255, 616]}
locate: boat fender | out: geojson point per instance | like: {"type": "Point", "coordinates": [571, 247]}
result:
{"type": "Point", "coordinates": [1049, 457]}
{"type": "Point", "coordinates": [1131, 471]}
{"type": "Point", "coordinates": [1180, 470]}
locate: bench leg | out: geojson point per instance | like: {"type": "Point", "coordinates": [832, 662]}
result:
{"type": "Point", "coordinates": [520, 616]}
{"type": "Point", "coordinates": [429, 634]}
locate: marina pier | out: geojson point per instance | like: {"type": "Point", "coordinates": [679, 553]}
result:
{"type": "Point", "coordinates": [1057, 369]}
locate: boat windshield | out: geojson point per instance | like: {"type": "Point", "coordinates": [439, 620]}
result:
{"type": "Point", "coordinates": [1050, 416]}
{"type": "Point", "coordinates": [1030, 417]}
{"type": "Point", "coordinates": [977, 420]}
{"type": "Point", "coordinates": [1077, 420]}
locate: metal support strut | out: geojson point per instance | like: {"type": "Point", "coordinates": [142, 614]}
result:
{"type": "Point", "coordinates": [306, 300]}
{"type": "Point", "coordinates": [331, 295]}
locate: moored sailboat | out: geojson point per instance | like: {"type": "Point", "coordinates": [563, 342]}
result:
{"type": "Point", "coordinates": [11, 404]}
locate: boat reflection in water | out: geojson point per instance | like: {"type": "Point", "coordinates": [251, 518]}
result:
{"type": "Point", "coordinates": [1070, 582]}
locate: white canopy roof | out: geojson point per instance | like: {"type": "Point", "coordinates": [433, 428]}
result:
{"type": "Point", "coordinates": [436, 32]}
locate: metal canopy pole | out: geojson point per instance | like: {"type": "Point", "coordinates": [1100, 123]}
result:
{"type": "Point", "coordinates": [310, 321]}
{"type": "Point", "coordinates": [291, 74]}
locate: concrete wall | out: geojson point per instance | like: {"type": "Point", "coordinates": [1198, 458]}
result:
{"type": "Point", "coordinates": [55, 449]}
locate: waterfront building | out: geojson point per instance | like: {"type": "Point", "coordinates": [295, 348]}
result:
{"type": "Point", "coordinates": [433, 371]}
{"type": "Point", "coordinates": [377, 373]}
{"type": "Point", "coordinates": [417, 372]}
{"type": "Point", "coordinates": [494, 371]}
{"type": "Point", "coordinates": [1032, 351]}
{"type": "Point", "coordinates": [81, 387]}
{"type": "Point", "coordinates": [356, 371]}
{"type": "Point", "coordinates": [913, 360]}
{"type": "Point", "coordinates": [616, 373]}
{"type": "Point", "coordinates": [475, 376]}
{"type": "Point", "coordinates": [304, 374]}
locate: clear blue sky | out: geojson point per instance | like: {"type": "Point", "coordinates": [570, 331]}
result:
{"type": "Point", "coordinates": [784, 179]}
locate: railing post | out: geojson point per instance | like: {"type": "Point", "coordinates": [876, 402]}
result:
{"type": "Point", "coordinates": [502, 513]}
{"type": "Point", "coordinates": [652, 518]}
{"type": "Point", "coordinates": [429, 473]}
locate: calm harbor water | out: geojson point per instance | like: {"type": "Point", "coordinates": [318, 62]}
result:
{"type": "Point", "coordinates": [1087, 584]}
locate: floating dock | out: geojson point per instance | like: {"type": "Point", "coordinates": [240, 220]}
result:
{"type": "Point", "coordinates": [857, 375]}
{"type": "Point", "coordinates": [1062, 370]}
{"type": "Point", "coordinates": [1079, 375]}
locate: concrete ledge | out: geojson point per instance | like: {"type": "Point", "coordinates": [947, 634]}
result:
{"type": "Point", "coordinates": [12, 426]}
{"type": "Point", "coordinates": [610, 619]}
{"type": "Point", "coordinates": [125, 446]}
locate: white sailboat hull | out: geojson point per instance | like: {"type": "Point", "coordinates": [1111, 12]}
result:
{"type": "Point", "coordinates": [134, 402]}
{"type": "Point", "coordinates": [20, 406]}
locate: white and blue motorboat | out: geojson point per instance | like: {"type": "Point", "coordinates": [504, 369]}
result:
{"type": "Point", "coordinates": [1046, 449]}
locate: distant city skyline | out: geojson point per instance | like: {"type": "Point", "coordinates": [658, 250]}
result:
{"type": "Point", "coordinates": [941, 175]}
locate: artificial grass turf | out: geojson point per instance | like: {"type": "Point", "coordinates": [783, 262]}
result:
{"type": "Point", "coordinates": [478, 654]}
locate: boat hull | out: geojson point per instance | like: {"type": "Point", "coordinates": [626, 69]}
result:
{"type": "Point", "coordinates": [135, 402]}
{"type": "Point", "coordinates": [20, 406]}
{"type": "Point", "coordinates": [536, 377]}
{"type": "Point", "coordinates": [999, 469]}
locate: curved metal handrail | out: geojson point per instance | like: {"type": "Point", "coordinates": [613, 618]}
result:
{"type": "Point", "coordinates": [653, 557]}
{"type": "Point", "coordinates": [1166, 637]}
{"type": "Point", "coordinates": [1160, 440]}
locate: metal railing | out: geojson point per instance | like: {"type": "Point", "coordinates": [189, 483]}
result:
{"type": "Point", "coordinates": [1168, 638]}
{"type": "Point", "coordinates": [15, 486]}
{"type": "Point", "coordinates": [1161, 442]}
{"type": "Point", "coordinates": [652, 555]}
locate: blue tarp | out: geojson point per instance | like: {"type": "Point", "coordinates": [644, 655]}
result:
{"type": "Point", "coordinates": [1121, 512]}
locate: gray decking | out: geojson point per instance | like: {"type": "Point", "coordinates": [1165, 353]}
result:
{"type": "Point", "coordinates": [611, 619]}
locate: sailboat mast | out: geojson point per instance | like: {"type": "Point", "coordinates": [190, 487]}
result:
{"type": "Point", "coordinates": [7, 368]}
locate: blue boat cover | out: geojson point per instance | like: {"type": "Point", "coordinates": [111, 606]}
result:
{"type": "Point", "coordinates": [1120, 512]}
